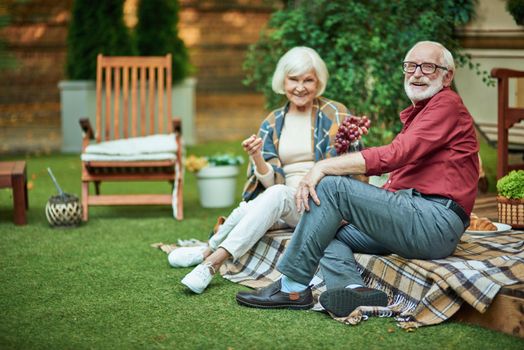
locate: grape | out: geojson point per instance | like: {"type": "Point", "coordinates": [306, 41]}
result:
{"type": "Point", "coordinates": [350, 130]}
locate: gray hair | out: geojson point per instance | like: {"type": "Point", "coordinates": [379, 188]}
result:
{"type": "Point", "coordinates": [446, 57]}
{"type": "Point", "coordinates": [297, 61]}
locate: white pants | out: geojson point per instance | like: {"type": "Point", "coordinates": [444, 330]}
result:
{"type": "Point", "coordinates": [251, 220]}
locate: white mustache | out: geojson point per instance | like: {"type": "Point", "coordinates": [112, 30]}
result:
{"type": "Point", "coordinates": [423, 80]}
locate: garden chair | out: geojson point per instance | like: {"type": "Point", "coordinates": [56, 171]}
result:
{"type": "Point", "coordinates": [135, 138]}
{"type": "Point", "coordinates": [508, 117]}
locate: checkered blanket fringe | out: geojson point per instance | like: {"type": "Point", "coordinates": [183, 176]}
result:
{"type": "Point", "coordinates": [420, 292]}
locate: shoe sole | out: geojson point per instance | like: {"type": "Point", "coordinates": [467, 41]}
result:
{"type": "Point", "coordinates": [282, 306]}
{"type": "Point", "coordinates": [342, 301]}
{"type": "Point", "coordinates": [194, 290]}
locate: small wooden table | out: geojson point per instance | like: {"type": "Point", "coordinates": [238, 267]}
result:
{"type": "Point", "coordinates": [13, 175]}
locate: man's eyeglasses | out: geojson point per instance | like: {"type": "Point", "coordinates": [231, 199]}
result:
{"type": "Point", "coordinates": [426, 68]}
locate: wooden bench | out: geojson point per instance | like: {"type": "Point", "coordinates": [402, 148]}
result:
{"type": "Point", "coordinates": [505, 314]}
{"type": "Point", "coordinates": [13, 175]}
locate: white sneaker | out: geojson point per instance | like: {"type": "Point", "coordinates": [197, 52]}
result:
{"type": "Point", "coordinates": [186, 256]}
{"type": "Point", "coordinates": [198, 279]}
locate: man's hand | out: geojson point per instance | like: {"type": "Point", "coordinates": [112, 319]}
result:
{"type": "Point", "coordinates": [350, 163]}
{"type": "Point", "coordinates": [307, 186]}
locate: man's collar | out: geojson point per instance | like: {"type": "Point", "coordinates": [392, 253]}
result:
{"type": "Point", "coordinates": [419, 105]}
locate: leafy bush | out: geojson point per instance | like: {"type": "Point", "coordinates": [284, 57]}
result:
{"type": "Point", "coordinates": [363, 44]}
{"type": "Point", "coordinates": [6, 60]}
{"type": "Point", "coordinates": [516, 8]}
{"type": "Point", "coordinates": [157, 34]}
{"type": "Point", "coordinates": [512, 185]}
{"type": "Point", "coordinates": [96, 27]}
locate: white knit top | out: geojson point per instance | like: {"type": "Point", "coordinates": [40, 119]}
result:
{"type": "Point", "coordinates": [295, 150]}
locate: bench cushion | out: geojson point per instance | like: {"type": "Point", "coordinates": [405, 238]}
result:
{"type": "Point", "coordinates": [153, 147]}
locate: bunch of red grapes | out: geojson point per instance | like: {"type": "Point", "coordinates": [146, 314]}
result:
{"type": "Point", "coordinates": [350, 131]}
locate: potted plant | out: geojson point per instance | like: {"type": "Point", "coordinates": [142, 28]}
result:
{"type": "Point", "coordinates": [216, 178]}
{"type": "Point", "coordinates": [511, 199]}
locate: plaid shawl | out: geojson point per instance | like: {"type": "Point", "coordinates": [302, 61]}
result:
{"type": "Point", "coordinates": [420, 292]}
{"type": "Point", "coordinates": [326, 116]}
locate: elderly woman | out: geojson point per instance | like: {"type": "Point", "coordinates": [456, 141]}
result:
{"type": "Point", "coordinates": [289, 141]}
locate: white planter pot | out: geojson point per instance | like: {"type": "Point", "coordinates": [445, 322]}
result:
{"type": "Point", "coordinates": [217, 185]}
{"type": "Point", "coordinates": [78, 100]}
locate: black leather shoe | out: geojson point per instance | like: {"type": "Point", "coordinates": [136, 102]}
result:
{"type": "Point", "coordinates": [342, 301]}
{"type": "Point", "coordinates": [271, 297]}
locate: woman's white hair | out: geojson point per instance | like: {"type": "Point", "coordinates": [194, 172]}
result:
{"type": "Point", "coordinates": [297, 61]}
{"type": "Point", "coordinates": [447, 57]}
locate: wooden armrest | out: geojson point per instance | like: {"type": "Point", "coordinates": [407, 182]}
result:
{"type": "Point", "coordinates": [86, 128]}
{"type": "Point", "coordinates": [177, 126]}
{"type": "Point", "coordinates": [502, 73]}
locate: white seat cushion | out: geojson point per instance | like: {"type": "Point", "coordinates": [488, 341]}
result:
{"type": "Point", "coordinates": [153, 147]}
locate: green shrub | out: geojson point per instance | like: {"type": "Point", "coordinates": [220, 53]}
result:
{"type": "Point", "coordinates": [157, 34]}
{"type": "Point", "coordinates": [516, 8]}
{"type": "Point", "coordinates": [512, 185]}
{"type": "Point", "coordinates": [6, 60]}
{"type": "Point", "coordinates": [363, 44]}
{"type": "Point", "coordinates": [96, 27]}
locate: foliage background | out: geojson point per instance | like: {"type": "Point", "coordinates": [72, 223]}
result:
{"type": "Point", "coordinates": [516, 8]}
{"type": "Point", "coordinates": [98, 27]}
{"type": "Point", "coordinates": [157, 34]}
{"type": "Point", "coordinates": [6, 61]}
{"type": "Point", "coordinates": [363, 44]}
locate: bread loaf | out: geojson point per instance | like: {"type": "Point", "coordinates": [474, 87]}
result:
{"type": "Point", "coordinates": [480, 224]}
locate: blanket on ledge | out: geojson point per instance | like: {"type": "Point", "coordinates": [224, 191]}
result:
{"type": "Point", "coordinates": [420, 292]}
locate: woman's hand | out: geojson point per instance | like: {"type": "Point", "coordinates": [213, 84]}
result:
{"type": "Point", "coordinates": [253, 146]}
{"type": "Point", "coordinates": [307, 186]}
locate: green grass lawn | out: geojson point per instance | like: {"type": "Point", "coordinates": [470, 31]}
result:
{"type": "Point", "coordinates": [102, 286]}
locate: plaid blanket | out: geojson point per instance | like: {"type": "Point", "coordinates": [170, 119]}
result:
{"type": "Point", "coordinates": [420, 292]}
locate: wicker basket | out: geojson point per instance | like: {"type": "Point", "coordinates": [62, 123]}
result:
{"type": "Point", "coordinates": [511, 211]}
{"type": "Point", "coordinates": [63, 211]}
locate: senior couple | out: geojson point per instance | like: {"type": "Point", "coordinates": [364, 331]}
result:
{"type": "Point", "coordinates": [296, 179]}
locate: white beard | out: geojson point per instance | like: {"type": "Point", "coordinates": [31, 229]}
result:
{"type": "Point", "coordinates": [434, 86]}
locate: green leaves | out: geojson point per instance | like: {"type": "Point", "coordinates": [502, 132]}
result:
{"type": "Point", "coordinates": [512, 185]}
{"type": "Point", "coordinates": [157, 34]}
{"type": "Point", "coordinates": [96, 27]}
{"type": "Point", "coordinates": [363, 44]}
{"type": "Point", "coordinates": [225, 159]}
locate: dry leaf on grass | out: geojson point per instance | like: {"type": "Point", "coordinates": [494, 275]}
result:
{"type": "Point", "coordinates": [166, 248]}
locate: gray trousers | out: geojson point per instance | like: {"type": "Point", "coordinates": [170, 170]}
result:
{"type": "Point", "coordinates": [381, 222]}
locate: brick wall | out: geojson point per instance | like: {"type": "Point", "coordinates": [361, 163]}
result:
{"type": "Point", "coordinates": [216, 32]}
{"type": "Point", "coordinates": [29, 99]}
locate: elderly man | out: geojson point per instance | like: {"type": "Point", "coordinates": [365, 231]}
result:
{"type": "Point", "coordinates": [420, 213]}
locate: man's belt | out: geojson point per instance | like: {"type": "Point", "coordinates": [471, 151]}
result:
{"type": "Point", "coordinates": [451, 204]}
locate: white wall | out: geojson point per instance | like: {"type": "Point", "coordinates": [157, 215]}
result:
{"type": "Point", "coordinates": [492, 23]}
{"type": "Point", "coordinates": [480, 99]}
